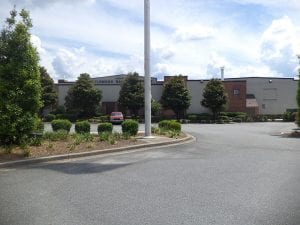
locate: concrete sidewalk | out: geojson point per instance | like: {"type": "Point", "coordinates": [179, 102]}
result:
{"type": "Point", "coordinates": [157, 141]}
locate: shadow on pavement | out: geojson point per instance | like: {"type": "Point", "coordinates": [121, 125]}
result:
{"type": "Point", "coordinates": [79, 168]}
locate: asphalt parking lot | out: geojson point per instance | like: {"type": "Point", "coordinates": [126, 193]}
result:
{"type": "Point", "coordinates": [244, 174]}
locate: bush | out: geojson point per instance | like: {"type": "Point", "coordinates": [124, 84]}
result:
{"type": "Point", "coordinates": [104, 118]}
{"type": "Point", "coordinates": [172, 125]}
{"type": "Point", "coordinates": [56, 136]}
{"type": "Point", "coordinates": [59, 110]}
{"type": "Point", "coordinates": [39, 126]}
{"type": "Point", "coordinates": [155, 108]}
{"type": "Point", "coordinates": [104, 136]}
{"type": "Point", "coordinates": [61, 116]}
{"type": "Point", "coordinates": [130, 127]}
{"type": "Point", "coordinates": [260, 118]}
{"type": "Point", "coordinates": [225, 119]}
{"type": "Point", "coordinates": [82, 127]}
{"type": "Point", "coordinates": [297, 118]}
{"type": "Point", "coordinates": [289, 116]}
{"type": "Point", "coordinates": [71, 117]}
{"type": "Point", "coordinates": [163, 124]}
{"type": "Point", "coordinates": [237, 120]}
{"type": "Point", "coordinates": [105, 127]}
{"type": "Point", "coordinates": [193, 118]}
{"type": "Point", "coordinates": [154, 130]}
{"type": "Point", "coordinates": [204, 117]}
{"type": "Point", "coordinates": [61, 125]}
{"type": "Point", "coordinates": [156, 119]}
{"type": "Point", "coordinates": [234, 114]}
{"type": "Point", "coordinates": [49, 117]}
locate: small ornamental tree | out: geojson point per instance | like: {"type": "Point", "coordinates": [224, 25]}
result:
{"type": "Point", "coordinates": [214, 96]}
{"type": "Point", "coordinates": [155, 108]}
{"type": "Point", "coordinates": [49, 94]}
{"type": "Point", "coordinates": [20, 87]}
{"type": "Point", "coordinates": [176, 96]}
{"type": "Point", "coordinates": [83, 98]}
{"type": "Point", "coordinates": [132, 93]}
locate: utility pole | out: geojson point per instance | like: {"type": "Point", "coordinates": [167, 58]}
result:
{"type": "Point", "coordinates": [147, 77]}
{"type": "Point", "coordinates": [222, 72]}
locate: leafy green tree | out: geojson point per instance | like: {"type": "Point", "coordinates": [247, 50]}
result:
{"type": "Point", "coordinates": [20, 88]}
{"type": "Point", "coordinates": [214, 96]}
{"type": "Point", "coordinates": [155, 108]}
{"type": "Point", "coordinates": [176, 96]}
{"type": "Point", "coordinates": [83, 98]}
{"type": "Point", "coordinates": [132, 93]}
{"type": "Point", "coordinates": [49, 94]}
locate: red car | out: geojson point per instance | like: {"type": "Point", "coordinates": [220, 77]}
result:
{"type": "Point", "coordinates": [116, 117]}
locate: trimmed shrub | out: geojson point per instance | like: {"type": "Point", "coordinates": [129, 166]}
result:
{"type": "Point", "coordinates": [49, 117]}
{"type": "Point", "coordinates": [105, 127]}
{"type": "Point", "coordinates": [192, 118]}
{"type": "Point", "coordinates": [156, 119]}
{"type": "Point", "coordinates": [61, 125]}
{"type": "Point", "coordinates": [237, 120]}
{"type": "Point", "coordinates": [241, 117]}
{"type": "Point", "coordinates": [172, 125]}
{"type": "Point", "coordinates": [224, 119]}
{"type": "Point", "coordinates": [104, 136]}
{"type": "Point", "coordinates": [163, 124]}
{"type": "Point", "coordinates": [104, 118]}
{"type": "Point", "coordinates": [56, 136]}
{"type": "Point", "coordinates": [234, 114]}
{"type": "Point", "coordinates": [130, 127]}
{"type": "Point", "coordinates": [297, 118]}
{"type": "Point", "coordinates": [289, 116]}
{"type": "Point", "coordinates": [59, 110]}
{"type": "Point", "coordinates": [61, 116]}
{"type": "Point", "coordinates": [154, 130]}
{"type": "Point", "coordinates": [82, 127]}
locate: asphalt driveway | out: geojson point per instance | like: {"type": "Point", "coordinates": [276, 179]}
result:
{"type": "Point", "coordinates": [243, 174]}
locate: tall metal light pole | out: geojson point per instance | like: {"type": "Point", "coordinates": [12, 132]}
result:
{"type": "Point", "coordinates": [147, 78]}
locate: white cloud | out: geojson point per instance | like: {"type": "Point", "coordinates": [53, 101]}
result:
{"type": "Point", "coordinates": [69, 63]}
{"type": "Point", "coordinates": [104, 37]}
{"type": "Point", "coordinates": [43, 3]}
{"type": "Point", "coordinates": [194, 32]}
{"type": "Point", "coordinates": [234, 70]}
{"type": "Point", "coordinates": [36, 41]}
{"type": "Point", "coordinates": [215, 62]}
{"type": "Point", "coordinates": [272, 3]}
{"type": "Point", "coordinates": [279, 45]}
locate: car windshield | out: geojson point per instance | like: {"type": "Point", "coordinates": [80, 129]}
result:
{"type": "Point", "coordinates": [116, 114]}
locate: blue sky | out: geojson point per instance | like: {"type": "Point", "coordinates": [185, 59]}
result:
{"type": "Point", "coordinates": [190, 37]}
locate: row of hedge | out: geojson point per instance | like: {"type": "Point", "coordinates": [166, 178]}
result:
{"type": "Point", "coordinates": [171, 125]}
{"type": "Point", "coordinates": [128, 126]}
{"type": "Point", "coordinates": [226, 117]}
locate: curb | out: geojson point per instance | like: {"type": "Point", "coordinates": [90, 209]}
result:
{"type": "Point", "coordinates": [95, 152]}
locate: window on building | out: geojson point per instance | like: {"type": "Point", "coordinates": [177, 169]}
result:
{"type": "Point", "coordinates": [263, 106]}
{"type": "Point", "coordinates": [236, 91]}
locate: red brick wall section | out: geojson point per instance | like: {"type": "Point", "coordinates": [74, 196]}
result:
{"type": "Point", "coordinates": [237, 93]}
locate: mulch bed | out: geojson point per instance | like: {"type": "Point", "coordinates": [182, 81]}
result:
{"type": "Point", "coordinates": [49, 148]}
{"type": "Point", "coordinates": [295, 134]}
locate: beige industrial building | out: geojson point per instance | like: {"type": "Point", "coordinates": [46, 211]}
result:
{"type": "Point", "coordinates": [254, 95]}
